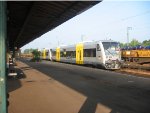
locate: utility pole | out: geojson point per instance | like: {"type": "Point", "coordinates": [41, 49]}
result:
{"type": "Point", "coordinates": [128, 28]}
{"type": "Point", "coordinates": [82, 38]}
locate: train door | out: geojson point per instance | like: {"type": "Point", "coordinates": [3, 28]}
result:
{"type": "Point", "coordinates": [58, 54]}
{"type": "Point", "coordinates": [79, 54]}
{"type": "Point", "coordinates": [50, 54]}
{"type": "Point", "coordinates": [99, 53]}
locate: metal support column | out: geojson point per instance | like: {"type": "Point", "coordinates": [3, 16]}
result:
{"type": "Point", "coordinates": [128, 28]}
{"type": "Point", "coordinates": [3, 108]}
{"type": "Point", "coordinates": [13, 55]}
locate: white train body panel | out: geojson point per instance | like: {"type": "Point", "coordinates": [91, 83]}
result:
{"type": "Point", "coordinates": [46, 54]}
{"type": "Point", "coordinates": [101, 53]}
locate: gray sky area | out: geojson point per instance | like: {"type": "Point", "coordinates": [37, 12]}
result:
{"type": "Point", "coordinates": [106, 20]}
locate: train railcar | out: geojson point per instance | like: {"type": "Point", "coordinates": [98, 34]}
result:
{"type": "Point", "coordinates": [138, 55]}
{"type": "Point", "coordinates": [46, 54]}
{"type": "Point", "coordinates": [100, 53]}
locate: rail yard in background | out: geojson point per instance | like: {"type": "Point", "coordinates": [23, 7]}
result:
{"type": "Point", "coordinates": [132, 61]}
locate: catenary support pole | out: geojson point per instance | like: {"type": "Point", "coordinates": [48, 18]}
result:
{"type": "Point", "coordinates": [3, 108]}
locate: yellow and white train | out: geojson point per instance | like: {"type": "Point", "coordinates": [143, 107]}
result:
{"type": "Point", "coordinates": [105, 54]}
{"type": "Point", "coordinates": [46, 54]}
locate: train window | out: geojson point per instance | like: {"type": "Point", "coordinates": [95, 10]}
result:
{"type": "Point", "coordinates": [74, 54]}
{"type": "Point", "coordinates": [71, 54]}
{"type": "Point", "coordinates": [61, 54]}
{"type": "Point", "coordinates": [68, 54]}
{"type": "Point", "coordinates": [47, 52]}
{"type": "Point", "coordinates": [64, 50]}
{"type": "Point", "coordinates": [54, 53]}
{"type": "Point", "coordinates": [90, 52]}
{"type": "Point", "coordinates": [111, 45]}
{"type": "Point", "coordinates": [98, 47]}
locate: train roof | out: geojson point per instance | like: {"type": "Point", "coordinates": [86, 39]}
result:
{"type": "Point", "coordinates": [84, 42]}
{"type": "Point", "coordinates": [45, 49]}
{"type": "Point", "coordinates": [107, 41]}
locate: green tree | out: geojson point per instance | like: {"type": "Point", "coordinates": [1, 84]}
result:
{"type": "Point", "coordinates": [122, 45]}
{"type": "Point", "coordinates": [146, 43]}
{"type": "Point", "coordinates": [134, 42]}
{"type": "Point", "coordinates": [36, 55]}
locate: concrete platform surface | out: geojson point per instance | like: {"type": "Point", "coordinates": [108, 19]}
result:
{"type": "Point", "coordinates": [51, 87]}
{"type": "Point", "coordinates": [38, 93]}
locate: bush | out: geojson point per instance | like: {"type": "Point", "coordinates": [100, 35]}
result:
{"type": "Point", "coordinates": [36, 56]}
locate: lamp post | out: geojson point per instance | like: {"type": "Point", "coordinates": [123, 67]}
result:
{"type": "Point", "coordinates": [128, 28]}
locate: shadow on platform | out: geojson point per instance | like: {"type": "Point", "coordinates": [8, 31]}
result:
{"type": "Point", "coordinates": [13, 82]}
{"type": "Point", "coordinates": [117, 98]}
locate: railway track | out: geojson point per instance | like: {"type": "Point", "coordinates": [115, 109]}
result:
{"type": "Point", "coordinates": [135, 69]}
{"type": "Point", "coordinates": [136, 66]}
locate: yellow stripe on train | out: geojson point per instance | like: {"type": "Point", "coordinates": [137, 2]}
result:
{"type": "Point", "coordinates": [57, 54]}
{"type": "Point", "coordinates": [44, 54]}
{"type": "Point", "coordinates": [79, 53]}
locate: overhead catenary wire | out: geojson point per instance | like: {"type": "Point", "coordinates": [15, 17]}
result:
{"type": "Point", "coordinates": [127, 18]}
{"type": "Point", "coordinates": [140, 14]}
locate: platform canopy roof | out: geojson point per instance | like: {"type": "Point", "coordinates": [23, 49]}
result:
{"type": "Point", "coordinates": [28, 20]}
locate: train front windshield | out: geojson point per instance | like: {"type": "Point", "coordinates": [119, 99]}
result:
{"type": "Point", "coordinates": [111, 48]}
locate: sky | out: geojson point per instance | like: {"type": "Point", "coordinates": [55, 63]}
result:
{"type": "Point", "coordinates": [106, 20]}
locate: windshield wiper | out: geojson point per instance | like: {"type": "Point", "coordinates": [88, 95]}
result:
{"type": "Point", "coordinates": [109, 52]}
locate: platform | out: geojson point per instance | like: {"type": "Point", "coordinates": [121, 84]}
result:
{"type": "Point", "coordinates": [52, 87]}
{"type": "Point", "coordinates": [34, 92]}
